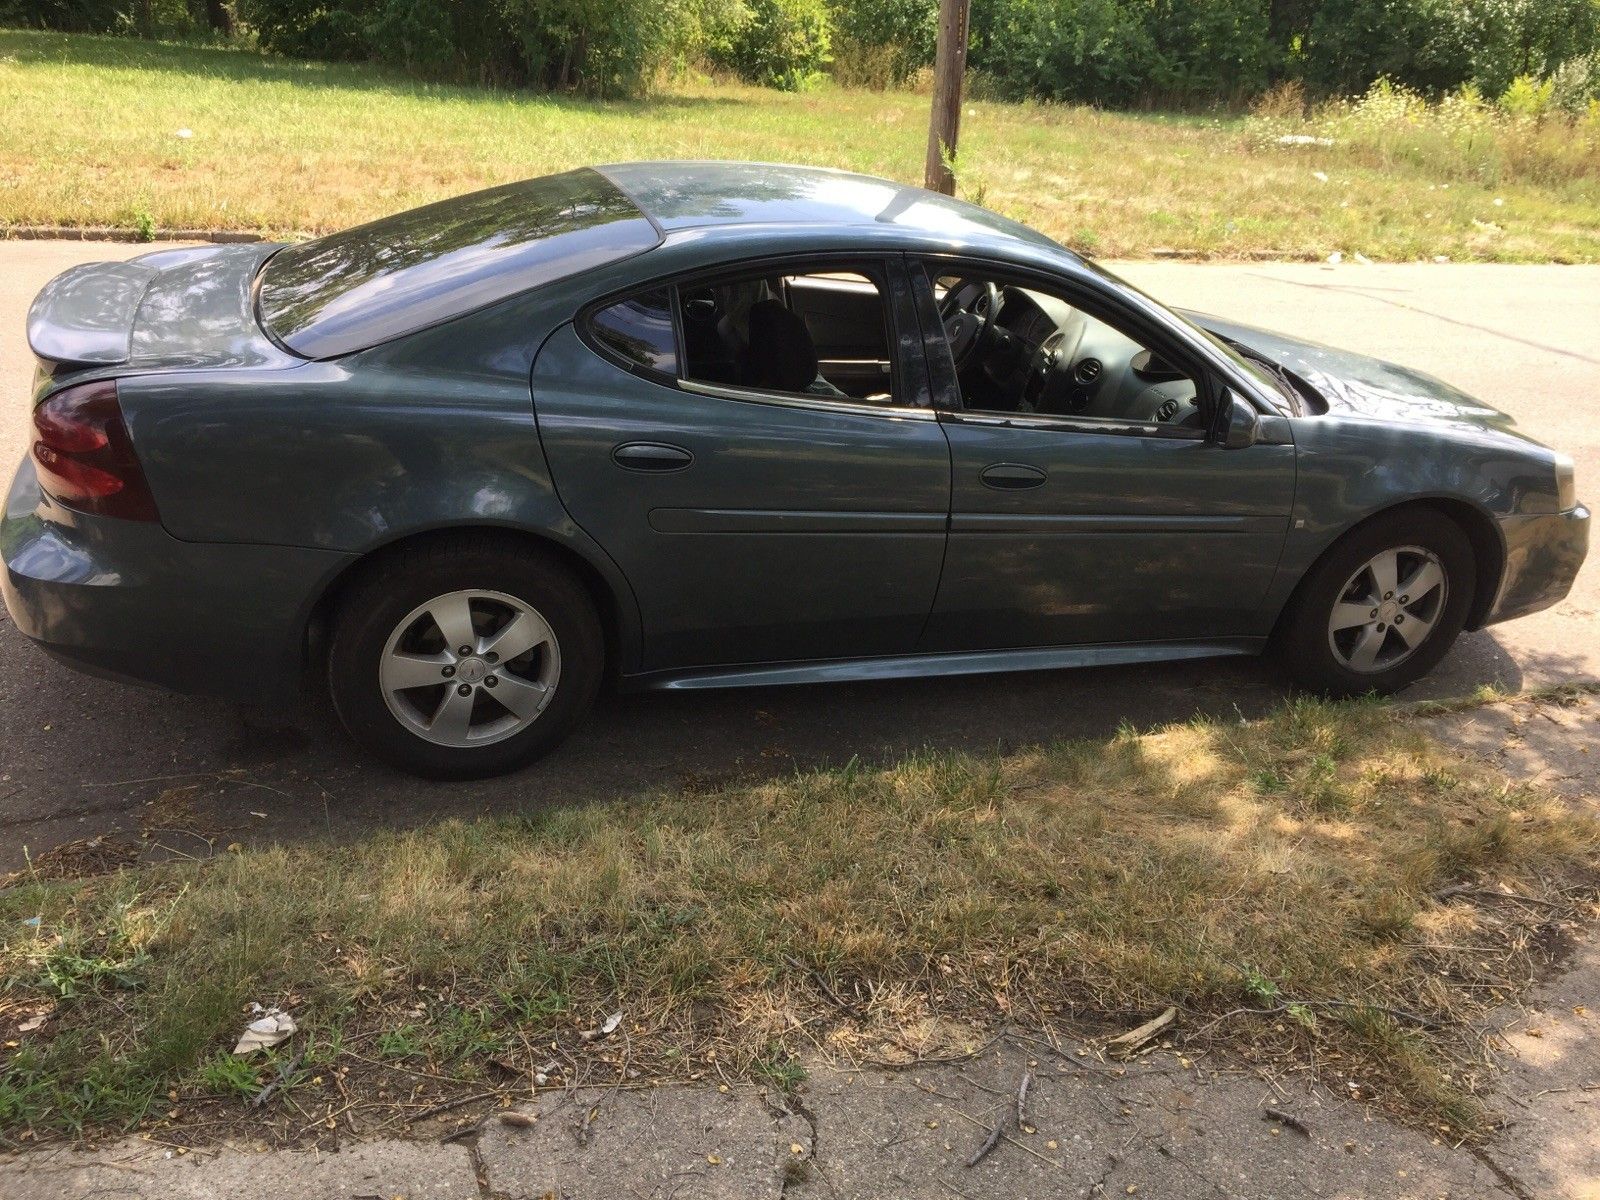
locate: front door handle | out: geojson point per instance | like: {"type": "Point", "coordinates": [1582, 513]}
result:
{"type": "Point", "coordinates": [651, 456]}
{"type": "Point", "coordinates": [1012, 476]}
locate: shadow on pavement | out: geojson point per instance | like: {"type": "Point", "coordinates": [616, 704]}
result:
{"type": "Point", "coordinates": [88, 757]}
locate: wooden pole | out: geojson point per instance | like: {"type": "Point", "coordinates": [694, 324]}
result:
{"type": "Point", "coordinates": [949, 68]}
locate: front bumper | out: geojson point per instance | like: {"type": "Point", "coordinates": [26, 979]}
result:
{"type": "Point", "coordinates": [126, 599]}
{"type": "Point", "coordinates": [1543, 554]}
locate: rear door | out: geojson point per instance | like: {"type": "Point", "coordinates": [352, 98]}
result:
{"type": "Point", "coordinates": [755, 524]}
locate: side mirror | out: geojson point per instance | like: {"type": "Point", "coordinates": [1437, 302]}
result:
{"type": "Point", "coordinates": [1238, 424]}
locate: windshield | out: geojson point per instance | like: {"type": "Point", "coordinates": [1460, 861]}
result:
{"type": "Point", "coordinates": [366, 285]}
{"type": "Point", "coordinates": [1273, 378]}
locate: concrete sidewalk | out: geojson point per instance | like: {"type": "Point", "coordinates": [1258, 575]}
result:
{"type": "Point", "coordinates": [1161, 1127]}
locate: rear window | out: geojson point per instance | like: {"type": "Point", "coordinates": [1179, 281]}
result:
{"type": "Point", "coordinates": [366, 285]}
{"type": "Point", "coordinates": [640, 331]}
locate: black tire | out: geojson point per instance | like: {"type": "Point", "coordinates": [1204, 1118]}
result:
{"type": "Point", "coordinates": [1304, 644]}
{"type": "Point", "coordinates": [381, 598]}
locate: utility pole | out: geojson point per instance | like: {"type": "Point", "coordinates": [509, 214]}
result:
{"type": "Point", "coordinates": [949, 69]}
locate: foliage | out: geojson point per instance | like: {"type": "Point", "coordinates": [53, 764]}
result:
{"type": "Point", "coordinates": [1090, 51]}
{"type": "Point", "coordinates": [136, 18]}
{"type": "Point", "coordinates": [1127, 53]}
{"type": "Point", "coordinates": [1351, 43]}
{"type": "Point", "coordinates": [880, 44]}
{"type": "Point", "coordinates": [781, 43]}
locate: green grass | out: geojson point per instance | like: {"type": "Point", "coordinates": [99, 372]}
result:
{"type": "Point", "coordinates": [90, 136]}
{"type": "Point", "coordinates": [1287, 866]}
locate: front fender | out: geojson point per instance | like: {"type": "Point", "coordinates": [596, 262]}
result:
{"type": "Point", "coordinates": [1351, 469]}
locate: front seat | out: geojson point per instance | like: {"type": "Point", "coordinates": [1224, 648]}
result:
{"type": "Point", "coordinates": [780, 354]}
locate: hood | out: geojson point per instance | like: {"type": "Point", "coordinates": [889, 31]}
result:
{"type": "Point", "coordinates": [1356, 385]}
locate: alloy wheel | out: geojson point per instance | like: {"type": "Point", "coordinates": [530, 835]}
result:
{"type": "Point", "coordinates": [470, 668]}
{"type": "Point", "coordinates": [1387, 609]}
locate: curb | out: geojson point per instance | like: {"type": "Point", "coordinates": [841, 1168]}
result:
{"type": "Point", "coordinates": [112, 233]}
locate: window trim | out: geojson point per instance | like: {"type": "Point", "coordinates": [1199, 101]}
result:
{"type": "Point", "coordinates": [886, 270]}
{"type": "Point", "coordinates": [1130, 323]}
{"type": "Point", "coordinates": [798, 400]}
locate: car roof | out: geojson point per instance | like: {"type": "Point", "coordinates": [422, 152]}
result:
{"type": "Point", "coordinates": [680, 196]}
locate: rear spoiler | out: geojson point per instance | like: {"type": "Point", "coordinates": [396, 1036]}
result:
{"type": "Point", "coordinates": [84, 316]}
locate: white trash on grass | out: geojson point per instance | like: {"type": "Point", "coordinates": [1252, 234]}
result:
{"type": "Point", "coordinates": [271, 1026]}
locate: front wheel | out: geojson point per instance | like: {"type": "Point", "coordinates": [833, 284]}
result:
{"type": "Point", "coordinates": [460, 661]}
{"type": "Point", "coordinates": [1382, 608]}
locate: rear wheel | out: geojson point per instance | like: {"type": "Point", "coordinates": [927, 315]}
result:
{"type": "Point", "coordinates": [458, 661]}
{"type": "Point", "coordinates": [1382, 607]}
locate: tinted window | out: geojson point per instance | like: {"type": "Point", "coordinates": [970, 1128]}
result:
{"type": "Point", "coordinates": [378, 281]}
{"type": "Point", "coordinates": [640, 330]}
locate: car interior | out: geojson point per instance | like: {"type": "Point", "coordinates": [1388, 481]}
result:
{"type": "Point", "coordinates": [1020, 350]}
{"type": "Point", "coordinates": [824, 334]}
{"type": "Point", "coordinates": [1016, 349]}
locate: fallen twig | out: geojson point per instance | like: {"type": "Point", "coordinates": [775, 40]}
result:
{"type": "Point", "coordinates": [995, 1134]}
{"type": "Point", "coordinates": [1286, 1118]}
{"type": "Point", "coordinates": [447, 1105]}
{"type": "Point", "coordinates": [1128, 1043]}
{"type": "Point", "coordinates": [823, 985]}
{"type": "Point", "coordinates": [284, 1072]}
{"type": "Point", "coordinates": [1471, 889]}
{"type": "Point", "coordinates": [1013, 1112]}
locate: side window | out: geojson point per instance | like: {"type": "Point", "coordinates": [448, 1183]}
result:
{"type": "Point", "coordinates": [640, 330]}
{"type": "Point", "coordinates": [1030, 352]}
{"type": "Point", "coordinates": [821, 333]}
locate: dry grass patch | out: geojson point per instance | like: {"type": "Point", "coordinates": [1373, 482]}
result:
{"type": "Point", "coordinates": [1281, 882]}
{"type": "Point", "coordinates": [92, 137]}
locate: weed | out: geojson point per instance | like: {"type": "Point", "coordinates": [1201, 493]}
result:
{"type": "Point", "coordinates": [227, 1074]}
{"type": "Point", "coordinates": [779, 1068]}
{"type": "Point", "coordinates": [400, 1044]}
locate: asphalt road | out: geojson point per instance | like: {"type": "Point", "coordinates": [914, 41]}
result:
{"type": "Point", "coordinates": [81, 757]}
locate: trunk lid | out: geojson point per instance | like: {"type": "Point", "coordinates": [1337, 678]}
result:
{"type": "Point", "coordinates": [169, 310]}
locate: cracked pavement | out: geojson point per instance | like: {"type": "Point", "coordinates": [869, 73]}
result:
{"type": "Point", "coordinates": [1157, 1128]}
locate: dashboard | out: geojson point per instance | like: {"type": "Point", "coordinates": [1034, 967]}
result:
{"type": "Point", "coordinates": [1044, 356]}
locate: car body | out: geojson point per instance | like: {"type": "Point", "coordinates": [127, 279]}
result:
{"type": "Point", "coordinates": [569, 370]}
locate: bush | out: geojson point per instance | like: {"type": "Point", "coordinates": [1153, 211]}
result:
{"type": "Point", "coordinates": [309, 28]}
{"type": "Point", "coordinates": [1527, 37]}
{"type": "Point", "coordinates": [603, 47]}
{"type": "Point", "coordinates": [1575, 84]}
{"type": "Point", "coordinates": [782, 44]}
{"type": "Point", "coordinates": [877, 45]}
{"type": "Point", "coordinates": [1089, 51]}
{"type": "Point", "coordinates": [1422, 44]}
{"type": "Point", "coordinates": [1220, 49]}
{"type": "Point", "coordinates": [138, 18]}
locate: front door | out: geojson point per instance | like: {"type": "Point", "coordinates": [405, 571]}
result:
{"type": "Point", "coordinates": [1087, 503]}
{"type": "Point", "coordinates": [761, 511]}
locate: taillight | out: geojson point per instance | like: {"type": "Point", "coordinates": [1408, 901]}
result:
{"type": "Point", "coordinates": [84, 456]}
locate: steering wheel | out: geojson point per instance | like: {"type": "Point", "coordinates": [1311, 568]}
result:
{"type": "Point", "coordinates": [968, 311]}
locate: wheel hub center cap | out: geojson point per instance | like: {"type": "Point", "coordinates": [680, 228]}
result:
{"type": "Point", "coordinates": [472, 670]}
{"type": "Point", "coordinates": [1387, 611]}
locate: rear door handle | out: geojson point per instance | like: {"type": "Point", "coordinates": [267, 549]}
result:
{"type": "Point", "coordinates": [1012, 476]}
{"type": "Point", "coordinates": [651, 456]}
